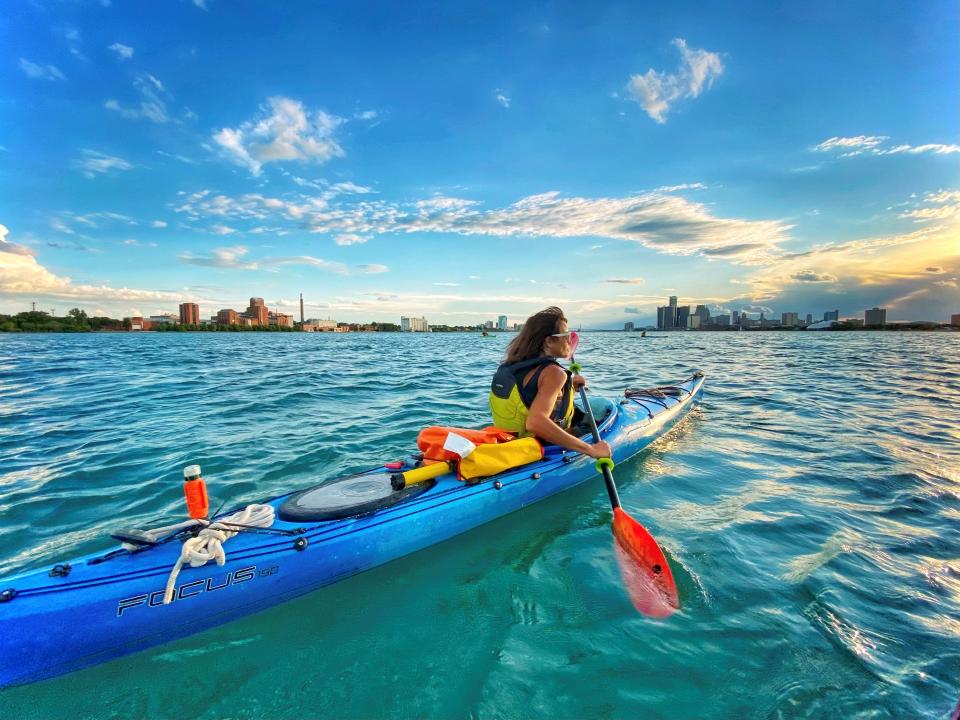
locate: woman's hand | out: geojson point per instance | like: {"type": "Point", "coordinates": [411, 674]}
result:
{"type": "Point", "coordinates": [579, 381]}
{"type": "Point", "coordinates": [599, 449]}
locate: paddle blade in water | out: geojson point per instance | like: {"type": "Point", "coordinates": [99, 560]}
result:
{"type": "Point", "coordinates": [645, 570]}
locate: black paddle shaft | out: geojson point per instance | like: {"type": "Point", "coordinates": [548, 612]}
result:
{"type": "Point", "coordinates": [607, 475]}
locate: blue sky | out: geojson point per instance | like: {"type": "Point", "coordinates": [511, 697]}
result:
{"type": "Point", "coordinates": [462, 161]}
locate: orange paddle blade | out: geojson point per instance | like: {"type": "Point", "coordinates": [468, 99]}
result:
{"type": "Point", "coordinates": [646, 572]}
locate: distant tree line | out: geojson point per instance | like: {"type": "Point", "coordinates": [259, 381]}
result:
{"type": "Point", "coordinates": [74, 321]}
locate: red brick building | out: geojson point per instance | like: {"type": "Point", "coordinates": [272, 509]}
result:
{"type": "Point", "coordinates": [189, 314]}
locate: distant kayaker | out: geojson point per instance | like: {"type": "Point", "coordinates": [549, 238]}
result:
{"type": "Point", "coordinates": [532, 394]}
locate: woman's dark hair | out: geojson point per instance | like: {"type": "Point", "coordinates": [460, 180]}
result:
{"type": "Point", "coordinates": [529, 341]}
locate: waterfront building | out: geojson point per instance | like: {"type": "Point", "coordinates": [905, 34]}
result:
{"type": "Point", "coordinates": [164, 319]}
{"type": "Point", "coordinates": [666, 317]}
{"type": "Point", "coordinates": [281, 319]}
{"type": "Point", "coordinates": [876, 316]}
{"type": "Point", "coordinates": [227, 317]}
{"type": "Point", "coordinates": [189, 313]}
{"type": "Point", "coordinates": [721, 320]}
{"type": "Point", "coordinates": [257, 312]}
{"type": "Point", "coordinates": [831, 315]}
{"type": "Point", "coordinates": [502, 322]}
{"type": "Point", "coordinates": [703, 312]}
{"type": "Point", "coordinates": [809, 319]}
{"type": "Point", "coordinates": [854, 322]}
{"type": "Point", "coordinates": [414, 324]}
{"type": "Point", "coordinates": [628, 327]}
{"type": "Point", "coordinates": [693, 322]}
{"type": "Point", "coordinates": [789, 319]}
{"type": "Point", "coordinates": [955, 320]}
{"type": "Point", "coordinates": [736, 317]}
{"type": "Point", "coordinates": [673, 302]}
{"type": "Point", "coordinates": [683, 317]}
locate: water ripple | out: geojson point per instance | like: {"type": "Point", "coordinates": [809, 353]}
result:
{"type": "Point", "coordinates": [810, 507]}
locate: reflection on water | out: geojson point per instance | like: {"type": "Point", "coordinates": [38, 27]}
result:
{"type": "Point", "coordinates": [810, 508]}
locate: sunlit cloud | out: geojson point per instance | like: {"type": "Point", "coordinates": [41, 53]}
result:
{"type": "Point", "coordinates": [940, 205]}
{"type": "Point", "coordinates": [373, 268]}
{"type": "Point", "coordinates": [847, 147]}
{"type": "Point", "coordinates": [283, 130]}
{"type": "Point", "coordinates": [658, 91]}
{"type": "Point", "coordinates": [158, 224]}
{"type": "Point", "coordinates": [22, 276]}
{"type": "Point", "coordinates": [11, 248]}
{"type": "Point", "coordinates": [626, 281]}
{"type": "Point", "coordinates": [668, 223]}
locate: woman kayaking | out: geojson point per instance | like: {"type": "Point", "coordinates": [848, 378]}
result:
{"type": "Point", "coordinates": [532, 394]}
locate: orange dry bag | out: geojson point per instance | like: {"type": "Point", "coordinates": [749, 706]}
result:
{"type": "Point", "coordinates": [431, 440]}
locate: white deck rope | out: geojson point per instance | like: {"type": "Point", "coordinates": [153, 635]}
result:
{"type": "Point", "coordinates": [208, 544]}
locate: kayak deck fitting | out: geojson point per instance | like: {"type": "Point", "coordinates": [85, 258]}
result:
{"type": "Point", "coordinates": [109, 604]}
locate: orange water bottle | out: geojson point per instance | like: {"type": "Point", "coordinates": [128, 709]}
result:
{"type": "Point", "coordinates": [195, 491]}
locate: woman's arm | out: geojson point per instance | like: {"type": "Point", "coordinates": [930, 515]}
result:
{"type": "Point", "coordinates": [549, 386]}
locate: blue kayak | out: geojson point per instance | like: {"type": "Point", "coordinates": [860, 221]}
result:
{"type": "Point", "coordinates": [102, 606]}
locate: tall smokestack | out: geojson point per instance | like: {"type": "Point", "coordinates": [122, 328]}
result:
{"type": "Point", "coordinates": [301, 309]}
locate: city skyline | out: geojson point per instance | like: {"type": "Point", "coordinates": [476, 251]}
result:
{"type": "Point", "coordinates": [489, 161]}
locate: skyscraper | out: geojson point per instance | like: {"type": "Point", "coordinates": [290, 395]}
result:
{"type": "Point", "coordinates": [301, 309]}
{"type": "Point", "coordinates": [502, 322]}
{"type": "Point", "coordinates": [876, 316]}
{"type": "Point", "coordinates": [831, 315]}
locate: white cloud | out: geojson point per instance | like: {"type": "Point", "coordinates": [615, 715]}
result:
{"type": "Point", "coordinates": [501, 98]}
{"type": "Point", "coordinates": [657, 92]}
{"type": "Point", "coordinates": [153, 101]}
{"type": "Point", "coordinates": [158, 224]}
{"type": "Point", "coordinates": [446, 284]}
{"type": "Point", "coordinates": [124, 52]}
{"type": "Point", "coordinates": [41, 72]}
{"type": "Point", "coordinates": [283, 131]}
{"type": "Point", "coordinates": [233, 258]}
{"type": "Point", "coordinates": [222, 229]}
{"type": "Point", "coordinates": [224, 257]}
{"type": "Point", "coordinates": [667, 223]}
{"type": "Point", "coordinates": [678, 188]}
{"type": "Point", "coordinates": [351, 239]}
{"type": "Point", "coordinates": [202, 4]}
{"type": "Point", "coordinates": [93, 163]}
{"type": "Point", "coordinates": [874, 145]}
{"type": "Point", "coordinates": [626, 281]}
{"type": "Point", "coordinates": [366, 115]}
{"type": "Point", "coordinates": [22, 275]}
{"type": "Point", "coordinates": [373, 268]}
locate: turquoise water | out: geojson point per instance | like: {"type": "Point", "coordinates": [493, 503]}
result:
{"type": "Point", "coordinates": [810, 507]}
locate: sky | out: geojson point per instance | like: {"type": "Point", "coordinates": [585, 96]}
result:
{"type": "Point", "coordinates": [461, 161]}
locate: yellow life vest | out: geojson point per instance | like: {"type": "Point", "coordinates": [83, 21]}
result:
{"type": "Point", "coordinates": [510, 398]}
